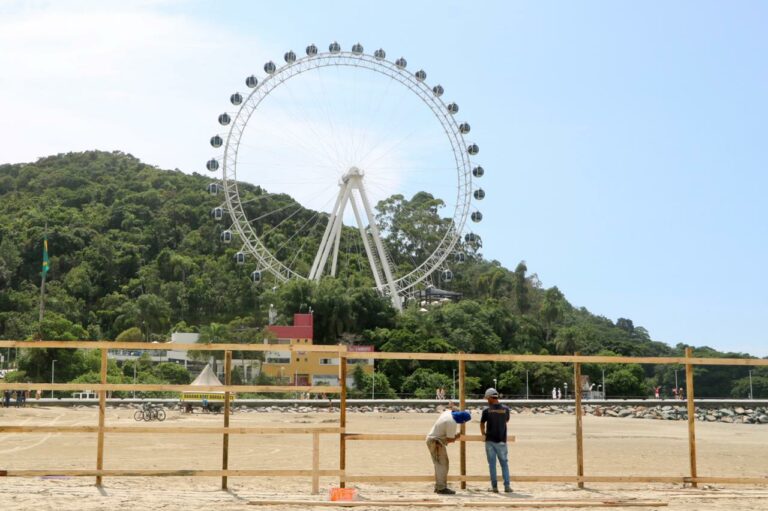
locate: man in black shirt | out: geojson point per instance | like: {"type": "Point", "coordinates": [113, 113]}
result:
{"type": "Point", "coordinates": [493, 426]}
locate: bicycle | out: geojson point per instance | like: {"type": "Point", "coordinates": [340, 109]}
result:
{"type": "Point", "coordinates": [149, 413]}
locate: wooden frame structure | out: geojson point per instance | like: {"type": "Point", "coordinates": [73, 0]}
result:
{"type": "Point", "coordinates": [315, 473]}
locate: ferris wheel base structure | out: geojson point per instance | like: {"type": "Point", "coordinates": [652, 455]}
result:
{"type": "Point", "coordinates": [377, 256]}
{"type": "Point", "coordinates": [352, 191]}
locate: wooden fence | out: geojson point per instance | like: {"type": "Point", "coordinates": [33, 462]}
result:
{"type": "Point", "coordinates": [344, 356]}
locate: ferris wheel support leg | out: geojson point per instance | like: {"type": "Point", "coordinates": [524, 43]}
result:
{"type": "Point", "coordinates": [366, 243]}
{"type": "Point", "coordinates": [396, 301]}
{"type": "Point", "coordinates": [337, 219]}
{"type": "Point", "coordinates": [336, 243]}
{"type": "Point", "coordinates": [313, 273]}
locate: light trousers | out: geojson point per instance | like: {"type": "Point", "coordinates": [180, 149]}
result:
{"type": "Point", "coordinates": [440, 459]}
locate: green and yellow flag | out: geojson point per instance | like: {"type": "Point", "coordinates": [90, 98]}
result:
{"type": "Point", "coordinates": [45, 255]}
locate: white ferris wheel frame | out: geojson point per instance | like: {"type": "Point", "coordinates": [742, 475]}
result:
{"type": "Point", "coordinates": [385, 282]}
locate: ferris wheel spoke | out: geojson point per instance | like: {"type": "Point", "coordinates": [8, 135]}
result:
{"type": "Point", "coordinates": [333, 147]}
{"type": "Point", "coordinates": [299, 115]}
{"type": "Point", "coordinates": [301, 229]}
{"type": "Point", "coordinates": [306, 145]}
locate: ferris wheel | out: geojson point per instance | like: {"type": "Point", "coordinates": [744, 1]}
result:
{"type": "Point", "coordinates": [343, 159]}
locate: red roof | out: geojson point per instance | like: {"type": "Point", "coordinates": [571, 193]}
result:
{"type": "Point", "coordinates": [301, 329]}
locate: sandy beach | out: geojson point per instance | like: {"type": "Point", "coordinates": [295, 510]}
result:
{"type": "Point", "coordinates": [544, 446]}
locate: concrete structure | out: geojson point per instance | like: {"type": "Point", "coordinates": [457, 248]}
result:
{"type": "Point", "coordinates": [306, 367]}
{"type": "Point", "coordinates": [157, 356]}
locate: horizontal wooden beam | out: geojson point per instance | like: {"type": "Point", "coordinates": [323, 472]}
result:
{"type": "Point", "coordinates": [403, 436]}
{"type": "Point", "coordinates": [566, 359]}
{"type": "Point", "coordinates": [468, 504]}
{"type": "Point", "coordinates": [380, 478]}
{"type": "Point", "coordinates": [170, 430]}
{"type": "Point", "coordinates": [167, 473]}
{"type": "Point", "coordinates": [145, 387]}
{"type": "Point", "coordinates": [364, 355]}
{"type": "Point", "coordinates": [164, 346]}
{"type": "Point", "coordinates": [565, 479]}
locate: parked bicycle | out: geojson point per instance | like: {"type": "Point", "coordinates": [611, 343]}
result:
{"type": "Point", "coordinates": [149, 412]}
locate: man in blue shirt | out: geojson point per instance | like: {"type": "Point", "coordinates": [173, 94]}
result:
{"type": "Point", "coordinates": [493, 426]}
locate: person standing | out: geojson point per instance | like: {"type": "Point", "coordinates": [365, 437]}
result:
{"type": "Point", "coordinates": [493, 426]}
{"type": "Point", "coordinates": [443, 432]}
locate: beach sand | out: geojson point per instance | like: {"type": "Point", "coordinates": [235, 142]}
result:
{"type": "Point", "coordinates": [545, 445]}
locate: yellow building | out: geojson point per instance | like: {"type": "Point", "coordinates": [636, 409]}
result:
{"type": "Point", "coordinates": [307, 367]}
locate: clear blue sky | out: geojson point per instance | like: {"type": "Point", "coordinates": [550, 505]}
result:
{"type": "Point", "coordinates": [625, 144]}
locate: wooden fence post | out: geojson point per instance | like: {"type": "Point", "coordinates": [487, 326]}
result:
{"type": "Point", "coordinates": [315, 463]}
{"type": "Point", "coordinates": [342, 417]}
{"type": "Point", "coordinates": [579, 432]}
{"type": "Point", "coordinates": [102, 412]}
{"type": "Point", "coordinates": [691, 415]}
{"type": "Point", "coordinates": [463, 429]}
{"type": "Point", "coordinates": [225, 446]}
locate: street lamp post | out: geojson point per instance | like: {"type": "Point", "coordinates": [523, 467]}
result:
{"type": "Point", "coordinates": [604, 396]}
{"type": "Point", "coordinates": [453, 391]}
{"type": "Point", "coordinates": [53, 374]}
{"type": "Point", "coordinates": [565, 387]}
{"type": "Point", "coordinates": [526, 385]}
{"type": "Point", "coordinates": [134, 378]}
{"type": "Point", "coordinates": [751, 396]}
{"type": "Point", "coordinates": [373, 381]}
{"type": "Point", "coordinates": [494, 383]}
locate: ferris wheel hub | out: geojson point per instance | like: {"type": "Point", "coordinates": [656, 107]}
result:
{"type": "Point", "coordinates": [352, 172]}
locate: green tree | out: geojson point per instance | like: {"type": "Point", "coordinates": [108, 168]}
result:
{"type": "Point", "coordinates": [551, 310]}
{"type": "Point", "coordinates": [169, 372]}
{"type": "Point", "coordinates": [521, 289]}
{"type": "Point", "coordinates": [132, 334]}
{"type": "Point", "coordinates": [153, 315]}
{"type": "Point", "coordinates": [423, 383]}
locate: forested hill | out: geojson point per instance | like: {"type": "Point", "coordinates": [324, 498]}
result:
{"type": "Point", "coordinates": [134, 247]}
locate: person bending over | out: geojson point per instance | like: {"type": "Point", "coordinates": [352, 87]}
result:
{"type": "Point", "coordinates": [443, 433]}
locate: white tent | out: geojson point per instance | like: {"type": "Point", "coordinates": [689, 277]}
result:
{"type": "Point", "coordinates": [207, 377]}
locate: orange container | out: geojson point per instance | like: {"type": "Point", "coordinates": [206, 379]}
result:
{"type": "Point", "coordinates": [342, 494]}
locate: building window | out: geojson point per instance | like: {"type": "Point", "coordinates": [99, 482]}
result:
{"type": "Point", "coordinates": [329, 361]}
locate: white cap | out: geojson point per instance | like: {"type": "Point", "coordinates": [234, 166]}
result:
{"type": "Point", "coordinates": [491, 392]}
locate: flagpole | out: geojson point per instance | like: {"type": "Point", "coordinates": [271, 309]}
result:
{"type": "Point", "coordinates": [42, 284]}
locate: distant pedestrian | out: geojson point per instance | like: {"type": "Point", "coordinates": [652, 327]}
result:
{"type": "Point", "coordinates": [7, 398]}
{"type": "Point", "coordinates": [554, 393]}
{"type": "Point", "coordinates": [674, 392]}
{"type": "Point", "coordinates": [559, 393]}
{"type": "Point", "coordinates": [657, 392]}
